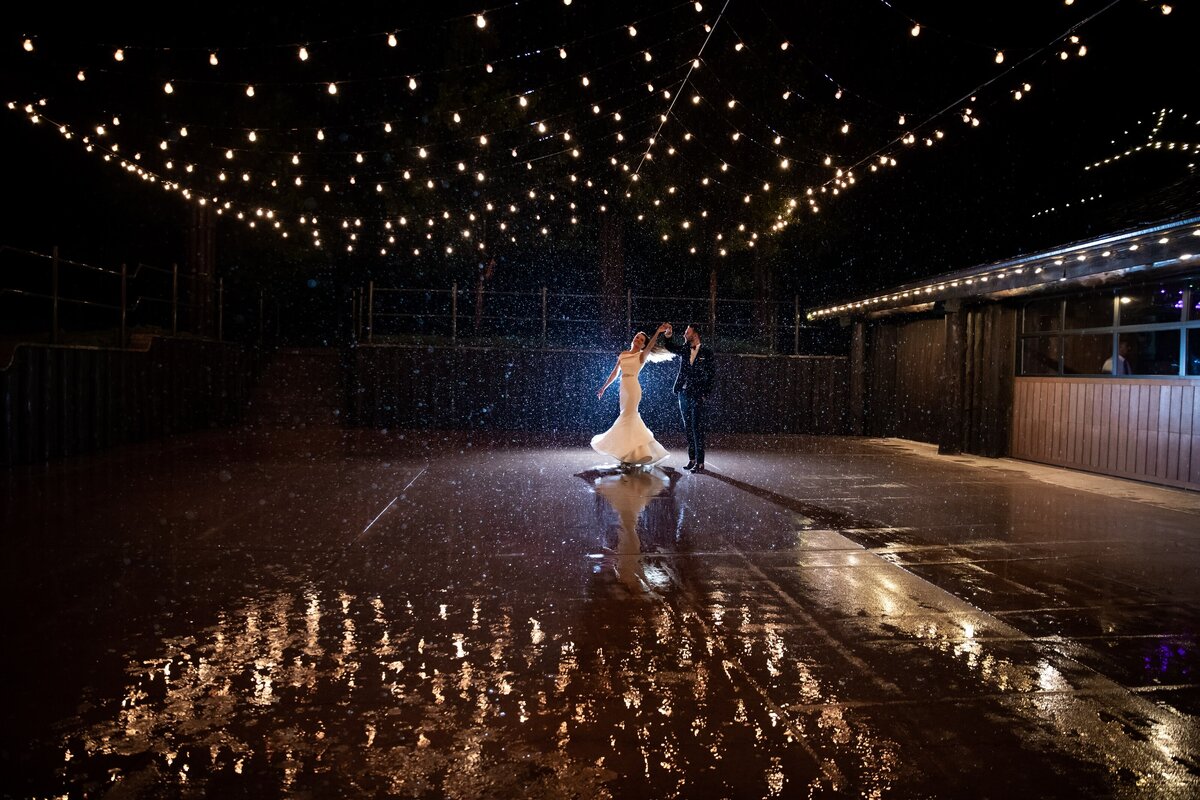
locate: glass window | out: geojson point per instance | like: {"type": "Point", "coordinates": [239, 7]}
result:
{"type": "Point", "coordinates": [1193, 345]}
{"type": "Point", "coordinates": [1150, 304]}
{"type": "Point", "coordinates": [1090, 311]}
{"type": "Point", "coordinates": [1088, 354]}
{"type": "Point", "coordinates": [1042, 315]}
{"type": "Point", "coordinates": [1039, 355]}
{"type": "Point", "coordinates": [1150, 353]}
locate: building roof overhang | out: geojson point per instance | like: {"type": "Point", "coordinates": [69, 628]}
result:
{"type": "Point", "coordinates": [1160, 250]}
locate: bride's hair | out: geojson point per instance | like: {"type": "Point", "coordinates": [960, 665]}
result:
{"type": "Point", "coordinates": [659, 353]}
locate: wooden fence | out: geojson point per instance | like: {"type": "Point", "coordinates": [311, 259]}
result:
{"type": "Point", "coordinates": [549, 390]}
{"type": "Point", "coordinates": [60, 401]}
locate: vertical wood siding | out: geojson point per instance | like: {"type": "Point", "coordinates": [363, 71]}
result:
{"type": "Point", "coordinates": [1143, 429]}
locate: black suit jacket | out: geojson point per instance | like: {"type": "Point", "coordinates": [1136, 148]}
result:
{"type": "Point", "coordinates": [695, 379]}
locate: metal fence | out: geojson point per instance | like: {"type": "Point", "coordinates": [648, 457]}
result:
{"type": "Point", "coordinates": [45, 297]}
{"type": "Point", "coordinates": [544, 318]}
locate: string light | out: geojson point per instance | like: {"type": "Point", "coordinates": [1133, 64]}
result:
{"type": "Point", "coordinates": [783, 159]}
{"type": "Point", "coordinates": [28, 45]}
{"type": "Point", "coordinates": [119, 55]}
{"type": "Point", "coordinates": [212, 59]}
{"type": "Point", "coordinates": [304, 54]}
{"type": "Point", "coordinates": [480, 22]}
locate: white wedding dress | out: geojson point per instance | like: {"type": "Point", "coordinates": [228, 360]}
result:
{"type": "Point", "coordinates": [629, 440]}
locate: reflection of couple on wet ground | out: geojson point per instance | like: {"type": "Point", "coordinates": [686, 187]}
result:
{"type": "Point", "coordinates": [629, 440]}
{"type": "Point", "coordinates": [629, 493]}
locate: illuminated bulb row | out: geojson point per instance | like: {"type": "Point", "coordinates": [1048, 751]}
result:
{"type": "Point", "coordinates": [999, 274]}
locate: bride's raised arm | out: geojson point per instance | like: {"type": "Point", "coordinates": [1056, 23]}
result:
{"type": "Point", "coordinates": [649, 346]}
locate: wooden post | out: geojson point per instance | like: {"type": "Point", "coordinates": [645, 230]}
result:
{"type": "Point", "coordinates": [950, 438]}
{"type": "Point", "coordinates": [220, 309]}
{"type": "Point", "coordinates": [454, 312]}
{"type": "Point", "coordinates": [712, 302]}
{"type": "Point", "coordinates": [796, 326]}
{"type": "Point", "coordinates": [54, 294]}
{"type": "Point", "coordinates": [124, 304]}
{"type": "Point", "coordinates": [858, 377]}
{"type": "Point", "coordinates": [370, 312]}
{"type": "Point", "coordinates": [174, 299]}
{"type": "Point", "coordinates": [543, 317]}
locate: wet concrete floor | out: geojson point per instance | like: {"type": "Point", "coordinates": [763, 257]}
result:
{"type": "Point", "coordinates": [332, 613]}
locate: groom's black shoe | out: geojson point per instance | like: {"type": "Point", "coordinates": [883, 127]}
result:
{"type": "Point", "coordinates": [699, 467]}
{"type": "Point", "coordinates": [691, 465]}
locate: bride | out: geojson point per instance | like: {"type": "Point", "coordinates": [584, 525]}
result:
{"type": "Point", "coordinates": [629, 440]}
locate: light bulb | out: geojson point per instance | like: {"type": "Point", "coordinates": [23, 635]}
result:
{"type": "Point", "coordinates": [783, 46]}
{"type": "Point", "coordinates": [249, 91]}
{"type": "Point", "coordinates": [391, 40]}
{"type": "Point", "coordinates": [999, 56]}
{"type": "Point", "coordinates": [212, 59]}
{"type": "Point", "coordinates": [252, 136]}
{"type": "Point", "coordinates": [333, 88]}
{"type": "Point", "coordinates": [523, 102]}
{"type": "Point", "coordinates": [387, 127]}
{"type": "Point", "coordinates": [304, 54]}
{"type": "Point", "coordinates": [647, 56]}
{"type": "Point", "coordinates": [168, 88]}
{"type": "Point", "coordinates": [483, 140]}
{"type": "Point", "coordinates": [916, 30]}
{"type": "Point", "coordinates": [480, 22]}
{"type": "Point", "coordinates": [562, 52]}
{"type": "Point", "coordinates": [412, 83]}
{"type": "Point", "coordinates": [632, 31]}
{"type": "Point", "coordinates": [81, 76]}
{"type": "Point", "coordinates": [28, 45]}
{"type": "Point", "coordinates": [119, 55]}
{"type": "Point", "coordinates": [699, 8]}
{"type": "Point", "coordinates": [320, 136]}
{"type": "Point", "coordinates": [295, 159]}
{"type": "Point", "coordinates": [422, 152]}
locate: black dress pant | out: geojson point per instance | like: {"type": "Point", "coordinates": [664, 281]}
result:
{"type": "Point", "coordinates": [694, 411]}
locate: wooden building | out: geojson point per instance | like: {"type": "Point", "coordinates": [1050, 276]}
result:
{"type": "Point", "coordinates": [1084, 356]}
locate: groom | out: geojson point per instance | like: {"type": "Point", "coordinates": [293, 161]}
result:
{"type": "Point", "coordinates": [693, 384]}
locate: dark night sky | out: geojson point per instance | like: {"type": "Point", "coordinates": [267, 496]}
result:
{"type": "Point", "coordinates": [969, 198]}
